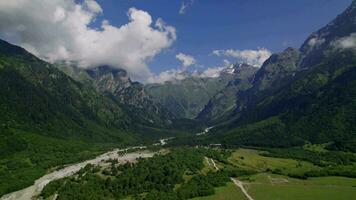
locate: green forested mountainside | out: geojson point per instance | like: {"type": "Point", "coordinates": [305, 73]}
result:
{"type": "Point", "coordinates": [37, 96]}
{"type": "Point", "coordinates": [315, 47]}
{"type": "Point", "coordinates": [131, 95]}
{"type": "Point", "coordinates": [223, 101]}
{"type": "Point", "coordinates": [25, 156]}
{"type": "Point", "coordinates": [48, 119]}
{"type": "Point", "coordinates": [277, 70]}
{"type": "Point", "coordinates": [275, 73]}
{"type": "Point", "coordinates": [300, 95]}
{"type": "Point", "coordinates": [319, 107]}
{"type": "Point", "coordinates": [281, 68]}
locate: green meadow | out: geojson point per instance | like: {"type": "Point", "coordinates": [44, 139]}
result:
{"type": "Point", "coordinates": [274, 187]}
{"type": "Point", "coordinates": [271, 182]}
{"type": "Point", "coordinates": [228, 192]}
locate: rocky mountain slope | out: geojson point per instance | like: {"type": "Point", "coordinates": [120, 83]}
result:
{"type": "Point", "coordinates": [131, 95]}
{"type": "Point", "coordinates": [224, 100]}
{"type": "Point", "coordinates": [35, 95]}
{"type": "Point", "coordinates": [307, 94]}
{"type": "Point", "coordinates": [186, 98]}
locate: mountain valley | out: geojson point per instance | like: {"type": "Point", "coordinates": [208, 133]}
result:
{"type": "Point", "coordinates": [285, 129]}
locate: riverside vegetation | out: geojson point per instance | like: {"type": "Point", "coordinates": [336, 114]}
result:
{"type": "Point", "coordinates": [186, 173]}
{"type": "Point", "coordinates": [287, 127]}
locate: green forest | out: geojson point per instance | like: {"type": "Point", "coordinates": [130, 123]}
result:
{"type": "Point", "coordinates": [175, 175]}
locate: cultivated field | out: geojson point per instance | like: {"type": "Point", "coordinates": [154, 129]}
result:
{"type": "Point", "coordinates": [229, 192]}
{"type": "Point", "coordinates": [266, 185]}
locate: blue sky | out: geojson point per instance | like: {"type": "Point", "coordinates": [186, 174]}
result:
{"type": "Point", "coordinates": [130, 35]}
{"type": "Point", "coordinates": [229, 24]}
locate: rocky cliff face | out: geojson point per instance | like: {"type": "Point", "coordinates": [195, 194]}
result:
{"type": "Point", "coordinates": [224, 101]}
{"type": "Point", "coordinates": [282, 69]}
{"type": "Point", "coordinates": [301, 95]}
{"type": "Point", "coordinates": [188, 97]}
{"type": "Point", "coordinates": [320, 43]}
{"type": "Point", "coordinates": [132, 95]}
{"type": "Point", "coordinates": [110, 80]}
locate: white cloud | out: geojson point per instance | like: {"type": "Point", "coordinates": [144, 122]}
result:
{"type": "Point", "coordinates": [169, 75]}
{"type": "Point", "coordinates": [60, 30]}
{"type": "Point", "coordinates": [253, 57]}
{"type": "Point", "coordinates": [174, 75]}
{"type": "Point", "coordinates": [186, 60]}
{"type": "Point", "coordinates": [211, 72]}
{"type": "Point", "coordinates": [346, 42]}
{"type": "Point", "coordinates": [314, 42]}
{"type": "Point", "coordinates": [215, 72]}
{"type": "Point", "coordinates": [184, 6]}
{"type": "Point", "coordinates": [226, 62]}
{"type": "Point", "coordinates": [93, 6]}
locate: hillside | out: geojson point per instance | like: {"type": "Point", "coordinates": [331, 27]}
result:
{"type": "Point", "coordinates": [224, 100]}
{"type": "Point", "coordinates": [75, 123]}
{"type": "Point", "coordinates": [132, 96]}
{"type": "Point", "coordinates": [48, 119]}
{"type": "Point", "coordinates": [190, 96]}
{"type": "Point", "coordinates": [301, 95]}
{"type": "Point", "coordinates": [53, 102]}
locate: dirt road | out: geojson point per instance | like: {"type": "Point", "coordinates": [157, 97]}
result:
{"type": "Point", "coordinates": [235, 181]}
{"type": "Point", "coordinates": [241, 186]}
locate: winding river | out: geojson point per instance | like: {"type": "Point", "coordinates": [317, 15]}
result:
{"type": "Point", "coordinates": [33, 191]}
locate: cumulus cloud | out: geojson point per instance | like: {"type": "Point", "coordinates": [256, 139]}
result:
{"type": "Point", "coordinates": [227, 63]}
{"type": "Point", "coordinates": [175, 75]}
{"type": "Point", "coordinates": [186, 60]}
{"type": "Point", "coordinates": [184, 6]}
{"type": "Point", "coordinates": [316, 41]}
{"type": "Point", "coordinates": [346, 42]}
{"type": "Point", "coordinates": [169, 75]}
{"type": "Point", "coordinates": [253, 57]}
{"type": "Point", "coordinates": [211, 72]}
{"type": "Point", "coordinates": [58, 30]}
{"type": "Point", "coordinates": [93, 6]}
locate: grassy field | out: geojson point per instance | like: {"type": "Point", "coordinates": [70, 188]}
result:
{"type": "Point", "coordinates": [275, 187]}
{"type": "Point", "coordinates": [228, 192]}
{"type": "Point", "coordinates": [316, 147]}
{"type": "Point", "coordinates": [207, 166]}
{"type": "Point", "coordinates": [266, 185]}
{"type": "Point", "coordinates": [251, 159]}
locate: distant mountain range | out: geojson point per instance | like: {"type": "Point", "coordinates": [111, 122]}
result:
{"type": "Point", "coordinates": [298, 95]}
{"type": "Point", "coordinates": [224, 100]}
{"type": "Point", "coordinates": [306, 94]}
{"type": "Point", "coordinates": [186, 98]}
{"type": "Point", "coordinates": [131, 95]}
{"type": "Point", "coordinates": [52, 114]}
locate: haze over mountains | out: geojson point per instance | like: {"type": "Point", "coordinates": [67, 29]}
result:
{"type": "Point", "coordinates": [238, 94]}
{"type": "Point", "coordinates": [296, 96]}
{"type": "Point", "coordinates": [187, 98]}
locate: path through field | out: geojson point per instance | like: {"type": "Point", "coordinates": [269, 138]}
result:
{"type": "Point", "coordinates": [241, 186]}
{"type": "Point", "coordinates": [235, 181]}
